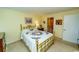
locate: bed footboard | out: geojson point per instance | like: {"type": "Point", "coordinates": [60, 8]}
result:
{"type": "Point", "coordinates": [44, 46]}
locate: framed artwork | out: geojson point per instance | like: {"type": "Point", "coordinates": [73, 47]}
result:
{"type": "Point", "coordinates": [59, 22]}
{"type": "Point", "coordinates": [28, 20]}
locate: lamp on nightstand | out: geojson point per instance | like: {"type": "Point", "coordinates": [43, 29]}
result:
{"type": "Point", "coordinates": [37, 24]}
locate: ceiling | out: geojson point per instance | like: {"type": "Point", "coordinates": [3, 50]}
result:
{"type": "Point", "coordinates": [41, 10]}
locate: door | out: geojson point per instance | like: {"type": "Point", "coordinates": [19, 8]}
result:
{"type": "Point", "coordinates": [50, 22]}
{"type": "Point", "coordinates": [71, 28]}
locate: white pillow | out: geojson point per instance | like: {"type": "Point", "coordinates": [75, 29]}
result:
{"type": "Point", "coordinates": [25, 30]}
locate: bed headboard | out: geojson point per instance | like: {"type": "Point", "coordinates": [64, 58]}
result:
{"type": "Point", "coordinates": [25, 26]}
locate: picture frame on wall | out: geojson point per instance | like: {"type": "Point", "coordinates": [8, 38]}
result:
{"type": "Point", "coordinates": [28, 20]}
{"type": "Point", "coordinates": [59, 22]}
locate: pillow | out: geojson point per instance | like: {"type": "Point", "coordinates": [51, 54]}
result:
{"type": "Point", "coordinates": [25, 30]}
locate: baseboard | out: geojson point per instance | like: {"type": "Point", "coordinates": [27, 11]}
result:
{"type": "Point", "coordinates": [57, 38]}
{"type": "Point", "coordinates": [13, 42]}
{"type": "Point", "coordinates": [67, 42]}
{"type": "Point", "coordinates": [70, 43]}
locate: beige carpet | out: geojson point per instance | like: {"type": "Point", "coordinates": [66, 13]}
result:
{"type": "Point", "coordinates": [17, 47]}
{"type": "Point", "coordinates": [57, 47]}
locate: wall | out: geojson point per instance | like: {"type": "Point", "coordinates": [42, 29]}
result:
{"type": "Point", "coordinates": [44, 18]}
{"type": "Point", "coordinates": [58, 29]}
{"type": "Point", "coordinates": [10, 21]}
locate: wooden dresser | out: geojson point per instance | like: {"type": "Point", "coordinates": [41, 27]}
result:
{"type": "Point", "coordinates": [2, 42]}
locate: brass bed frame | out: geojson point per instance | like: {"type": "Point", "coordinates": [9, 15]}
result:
{"type": "Point", "coordinates": [42, 47]}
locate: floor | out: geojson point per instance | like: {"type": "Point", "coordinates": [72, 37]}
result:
{"type": "Point", "coordinates": [57, 47]}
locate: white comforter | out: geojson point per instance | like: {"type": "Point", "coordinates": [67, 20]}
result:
{"type": "Point", "coordinates": [30, 42]}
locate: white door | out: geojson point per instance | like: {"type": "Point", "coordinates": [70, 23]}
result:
{"type": "Point", "coordinates": [71, 28]}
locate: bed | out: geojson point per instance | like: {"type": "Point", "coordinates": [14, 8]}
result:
{"type": "Point", "coordinates": [36, 40]}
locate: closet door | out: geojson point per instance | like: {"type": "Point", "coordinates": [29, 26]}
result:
{"type": "Point", "coordinates": [50, 23]}
{"type": "Point", "coordinates": [71, 28]}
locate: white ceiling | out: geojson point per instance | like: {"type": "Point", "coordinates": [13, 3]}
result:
{"type": "Point", "coordinates": [41, 10]}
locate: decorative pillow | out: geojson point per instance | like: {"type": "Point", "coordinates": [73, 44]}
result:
{"type": "Point", "coordinates": [27, 32]}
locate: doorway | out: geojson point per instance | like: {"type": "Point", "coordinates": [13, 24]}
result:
{"type": "Point", "coordinates": [50, 24]}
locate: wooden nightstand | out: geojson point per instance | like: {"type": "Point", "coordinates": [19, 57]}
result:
{"type": "Point", "coordinates": [78, 42]}
{"type": "Point", "coordinates": [2, 42]}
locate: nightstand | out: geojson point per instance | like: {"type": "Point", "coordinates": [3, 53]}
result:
{"type": "Point", "coordinates": [2, 42]}
{"type": "Point", "coordinates": [78, 42]}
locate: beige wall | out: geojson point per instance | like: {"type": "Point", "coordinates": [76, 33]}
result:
{"type": "Point", "coordinates": [58, 29]}
{"type": "Point", "coordinates": [10, 21]}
